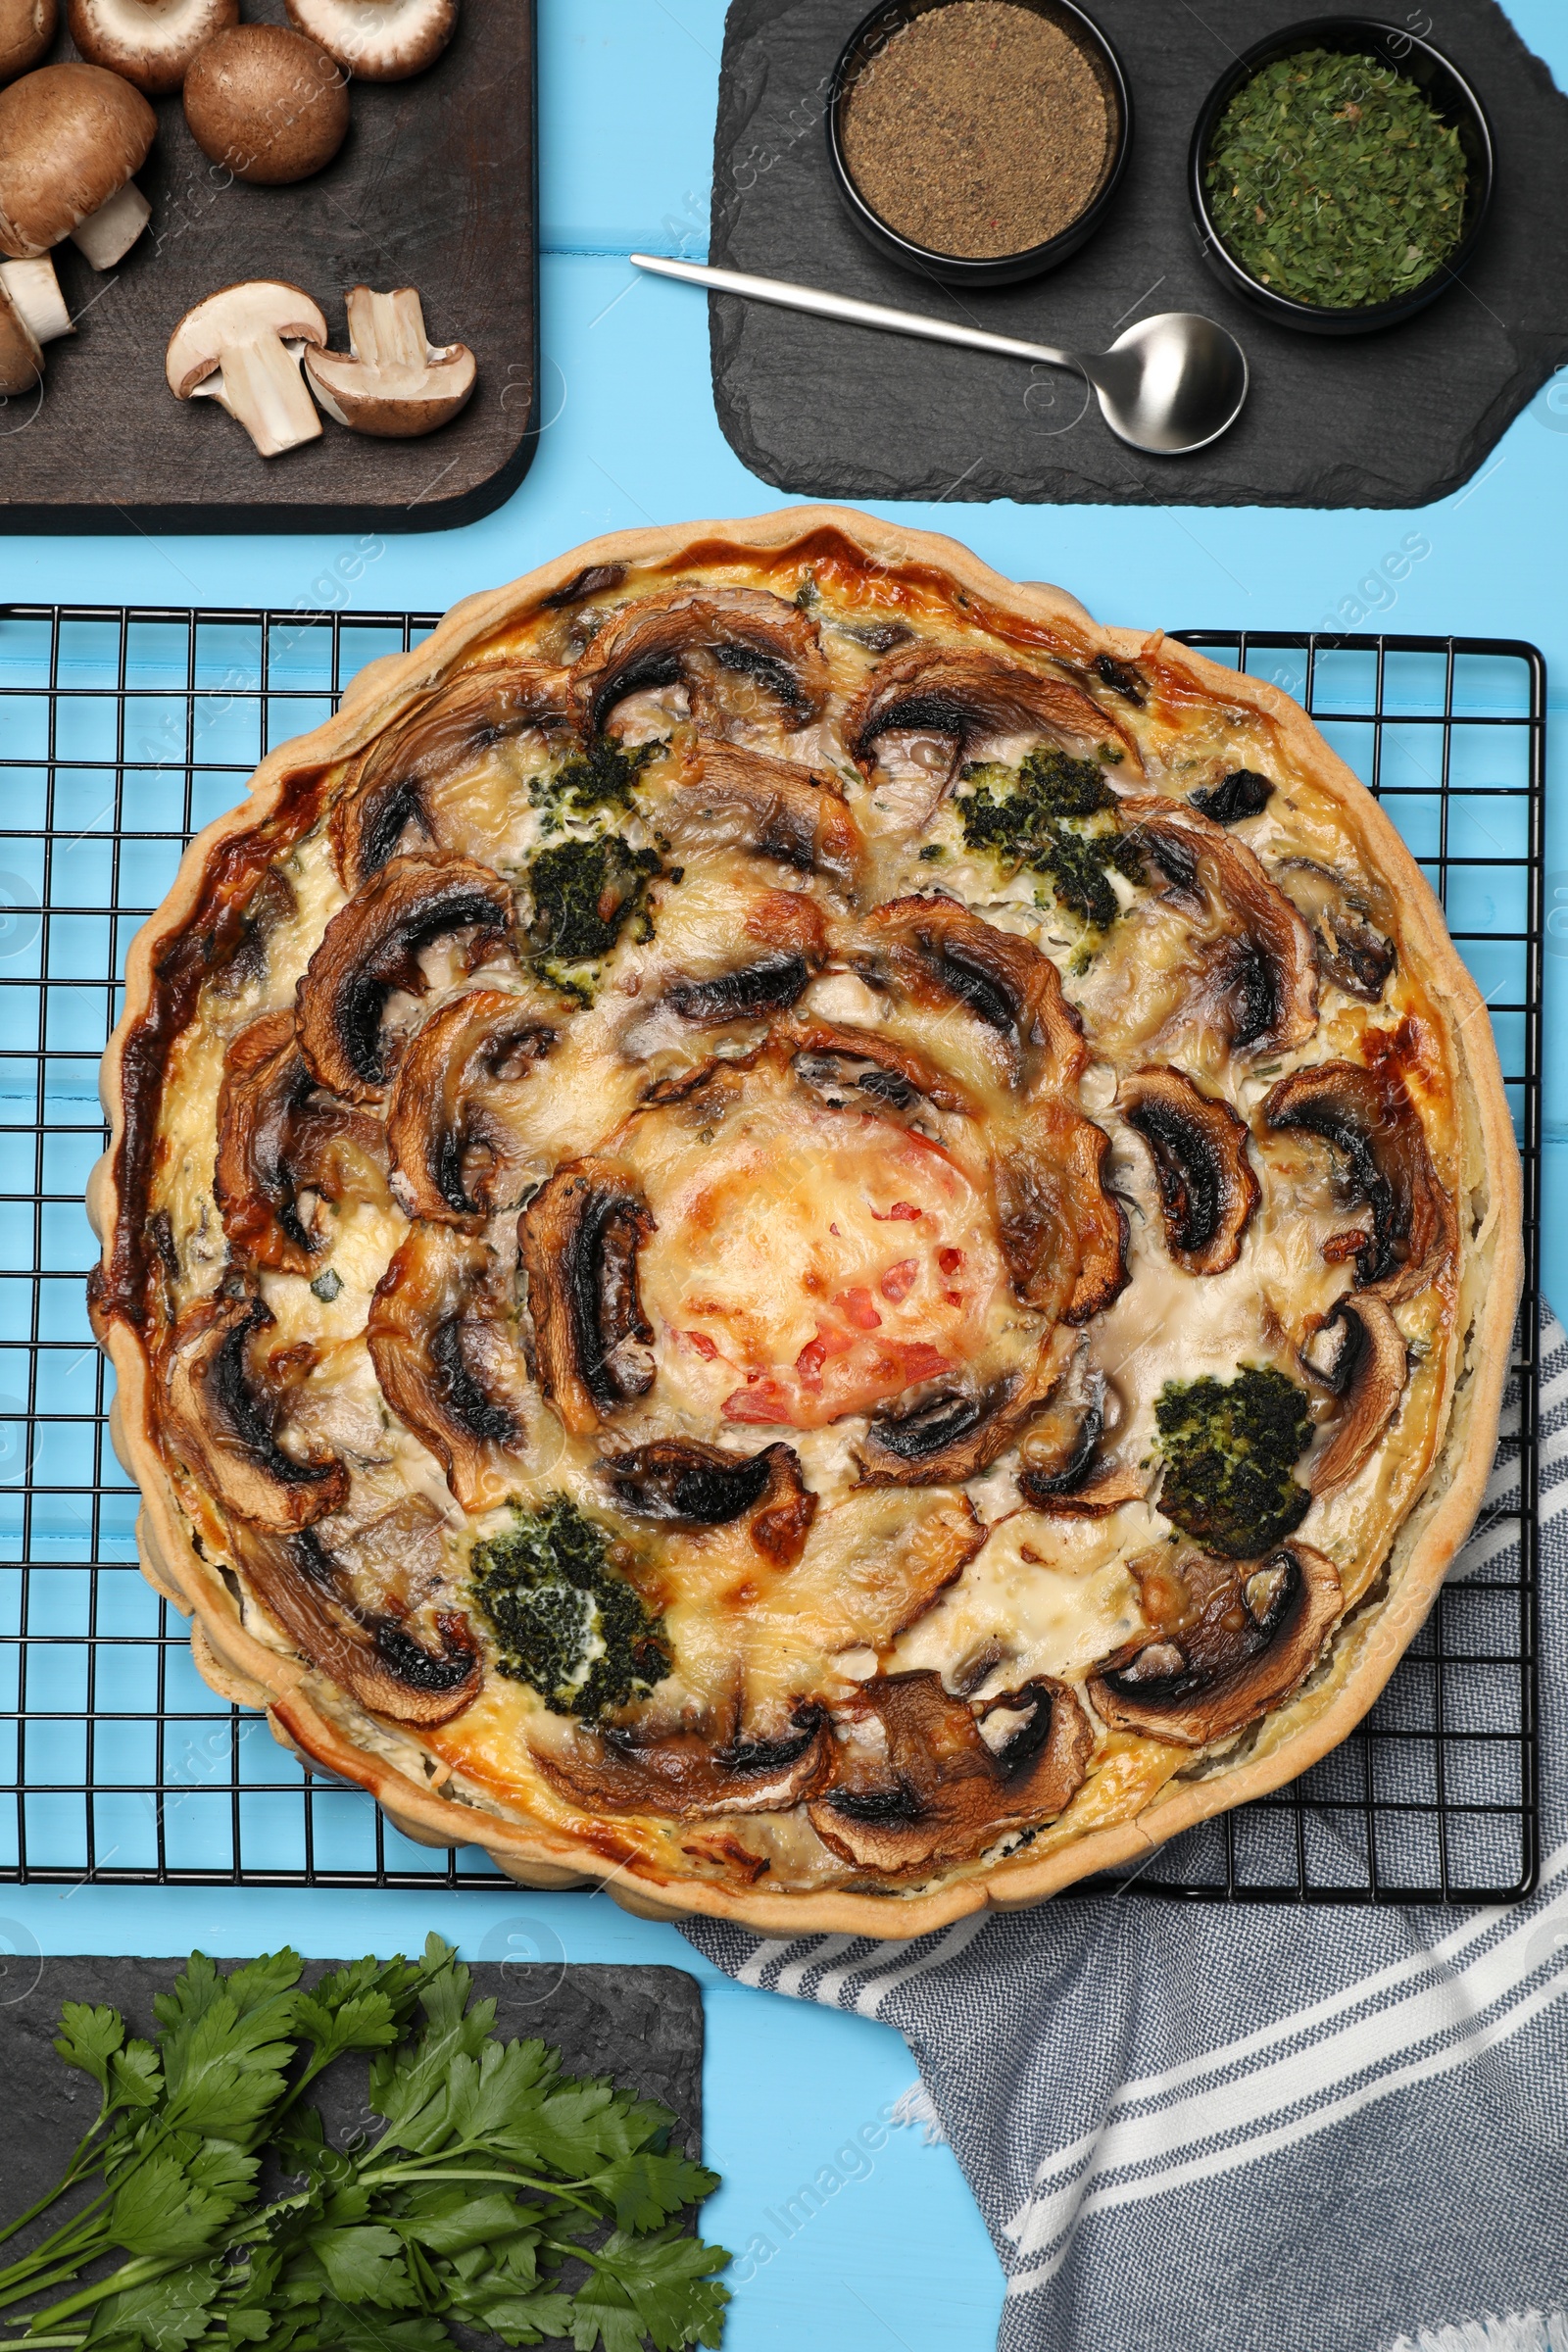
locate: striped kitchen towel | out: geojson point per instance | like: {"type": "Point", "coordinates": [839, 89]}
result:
{"type": "Point", "coordinates": [1206, 2129]}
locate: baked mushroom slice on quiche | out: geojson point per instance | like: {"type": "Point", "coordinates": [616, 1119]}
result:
{"type": "Point", "coordinates": [787, 1228]}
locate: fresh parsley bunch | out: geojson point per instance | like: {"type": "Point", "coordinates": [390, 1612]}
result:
{"type": "Point", "coordinates": [495, 2183]}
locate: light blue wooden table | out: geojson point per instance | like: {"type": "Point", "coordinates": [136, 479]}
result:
{"type": "Point", "coordinates": [886, 2250]}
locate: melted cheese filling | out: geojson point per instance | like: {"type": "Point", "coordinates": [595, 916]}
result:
{"type": "Point", "coordinates": [809, 1263]}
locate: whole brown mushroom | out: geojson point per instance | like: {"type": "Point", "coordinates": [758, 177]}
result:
{"type": "Point", "coordinates": [26, 29]}
{"type": "Point", "coordinates": [266, 104]}
{"type": "Point", "coordinates": [70, 138]}
{"type": "Point", "coordinates": [378, 40]}
{"type": "Point", "coordinates": [151, 42]}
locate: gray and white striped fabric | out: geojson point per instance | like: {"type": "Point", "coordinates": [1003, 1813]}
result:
{"type": "Point", "coordinates": [1259, 2129]}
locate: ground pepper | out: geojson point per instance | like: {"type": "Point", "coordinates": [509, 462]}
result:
{"type": "Point", "coordinates": [1332, 179]}
{"type": "Point", "coordinates": [980, 130]}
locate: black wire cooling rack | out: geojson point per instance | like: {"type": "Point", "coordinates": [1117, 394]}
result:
{"type": "Point", "coordinates": [121, 731]}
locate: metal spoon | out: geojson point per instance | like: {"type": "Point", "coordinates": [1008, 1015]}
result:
{"type": "Point", "coordinates": [1171, 384]}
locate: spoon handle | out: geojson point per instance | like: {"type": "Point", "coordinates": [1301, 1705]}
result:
{"type": "Point", "coordinates": [856, 314]}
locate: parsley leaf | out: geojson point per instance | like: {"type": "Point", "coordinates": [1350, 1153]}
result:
{"type": "Point", "coordinates": [90, 2038]}
{"type": "Point", "coordinates": [647, 2189]}
{"type": "Point", "coordinates": [166, 2313]}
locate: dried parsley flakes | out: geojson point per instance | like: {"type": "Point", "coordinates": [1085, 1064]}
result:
{"type": "Point", "coordinates": [1331, 178]}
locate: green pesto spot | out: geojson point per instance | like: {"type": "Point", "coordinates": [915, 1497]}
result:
{"type": "Point", "coordinates": [1056, 816]}
{"type": "Point", "coordinates": [1230, 1447]}
{"type": "Point", "coordinates": [584, 893]}
{"type": "Point", "coordinates": [604, 776]}
{"type": "Point", "coordinates": [563, 1622]}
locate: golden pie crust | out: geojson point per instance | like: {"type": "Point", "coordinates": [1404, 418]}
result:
{"type": "Point", "coordinates": [817, 1207]}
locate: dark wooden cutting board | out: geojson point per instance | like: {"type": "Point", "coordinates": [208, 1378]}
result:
{"type": "Point", "coordinates": [434, 188]}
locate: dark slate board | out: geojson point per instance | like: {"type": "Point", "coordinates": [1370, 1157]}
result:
{"type": "Point", "coordinates": [1392, 420]}
{"type": "Point", "coordinates": [642, 2025]}
{"type": "Point", "coordinates": [434, 188]}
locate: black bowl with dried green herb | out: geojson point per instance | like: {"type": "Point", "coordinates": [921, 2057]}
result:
{"type": "Point", "coordinates": [1340, 175]}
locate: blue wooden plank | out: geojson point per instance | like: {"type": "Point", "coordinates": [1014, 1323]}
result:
{"type": "Point", "coordinates": [628, 92]}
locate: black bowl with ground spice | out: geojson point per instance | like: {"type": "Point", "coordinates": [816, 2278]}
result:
{"type": "Point", "coordinates": [978, 141]}
{"type": "Point", "coordinates": [1340, 175]}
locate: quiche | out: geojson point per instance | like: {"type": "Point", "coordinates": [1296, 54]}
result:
{"type": "Point", "coordinates": [787, 1228]}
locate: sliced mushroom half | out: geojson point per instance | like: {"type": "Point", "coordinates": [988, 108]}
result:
{"type": "Point", "coordinates": [595, 579]}
{"type": "Point", "coordinates": [748, 993]}
{"type": "Point", "coordinates": [371, 1654]}
{"type": "Point", "coordinates": [1253, 1630]}
{"type": "Point", "coordinates": [241, 347]}
{"type": "Point", "coordinates": [455, 1156]}
{"type": "Point", "coordinates": [393, 383]}
{"type": "Point", "coordinates": [838, 1064]}
{"type": "Point", "coordinates": [918, 1783]}
{"type": "Point", "coordinates": [1059, 1465]}
{"type": "Point", "coordinates": [1207, 1191]}
{"type": "Point", "coordinates": [1367, 1117]}
{"type": "Point", "coordinates": [1062, 1234]}
{"type": "Point", "coordinates": [684, 1776]}
{"type": "Point", "coordinates": [449, 1360]}
{"type": "Point", "coordinates": [775, 808]}
{"type": "Point", "coordinates": [373, 945]}
{"type": "Point", "coordinates": [1257, 982]}
{"type": "Point", "coordinates": [395, 794]}
{"type": "Point", "coordinates": [687, 1485]}
{"type": "Point", "coordinates": [955, 1432]}
{"type": "Point", "coordinates": [580, 1237]}
{"type": "Point", "coordinates": [788, 927]}
{"type": "Point", "coordinates": [941, 954]}
{"type": "Point", "coordinates": [1106, 1489]}
{"type": "Point", "coordinates": [673, 640]}
{"type": "Point", "coordinates": [284, 1149]}
{"type": "Point", "coordinates": [220, 1419]}
{"type": "Point", "coordinates": [1352, 950]}
{"type": "Point", "coordinates": [1367, 1375]}
{"type": "Point", "coordinates": [967, 698]}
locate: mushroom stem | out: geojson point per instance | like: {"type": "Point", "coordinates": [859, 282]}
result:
{"type": "Point", "coordinates": [35, 297]}
{"type": "Point", "coordinates": [386, 330]}
{"type": "Point", "coordinates": [107, 236]}
{"type": "Point", "coordinates": [260, 386]}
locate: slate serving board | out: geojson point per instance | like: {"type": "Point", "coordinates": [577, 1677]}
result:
{"type": "Point", "coordinates": [1390, 419]}
{"type": "Point", "coordinates": [434, 188]}
{"type": "Point", "coordinates": [644, 2025]}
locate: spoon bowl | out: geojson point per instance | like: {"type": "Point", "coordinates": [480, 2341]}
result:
{"type": "Point", "coordinates": [1169, 385]}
